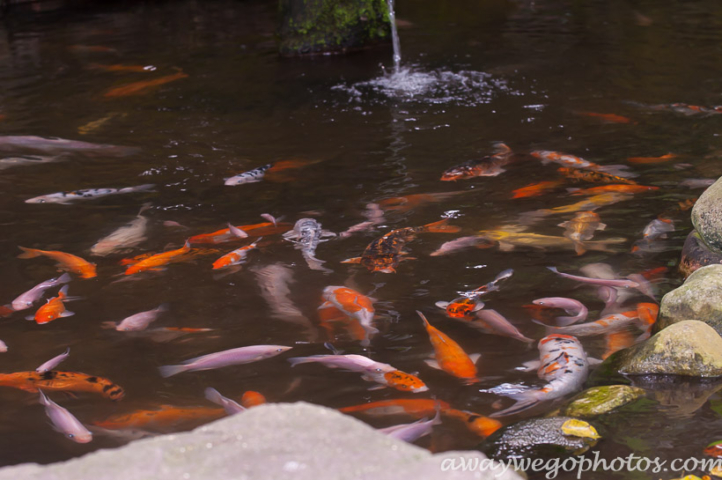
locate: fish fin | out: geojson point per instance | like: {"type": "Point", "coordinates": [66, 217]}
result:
{"type": "Point", "coordinates": [67, 313]}
{"type": "Point", "coordinates": [170, 370]}
{"type": "Point", "coordinates": [442, 304]}
{"type": "Point", "coordinates": [213, 395]}
{"type": "Point", "coordinates": [237, 232]}
{"type": "Point", "coordinates": [326, 305]}
{"type": "Point", "coordinates": [432, 363]}
{"type": "Point", "coordinates": [352, 260]}
{"type": "Point", "coordinates": [327, 233]}
{"type": "Point", "coordinates": [478, 306]}
{"type": "Point", "coordinates": [108, 325]}
{"type": "Point", "coordinates": [506, 247]}
{"type": "Point", "coordinates": [602, 226]}
{"type": "Point", "coordinates": [530, 366]}
{"type": "Point", "coordinates": [502, 148]}
{"type": "Point", "coordinates": [441, 226]}
{"type": "Point", "coordinates": [522, 404]}
{"type": "Point", "coordinates": [475, 357]}
{"type": "Point", "coordinates": [594, 361]}
{"type": "Point", "coordinates": [565, 321]}
{"type": "Point", "coordinates": [377, 387]}
{"type": "Point", "coordinates": [29, 252]}
{"type": "Point", "coordinates": [579, 248]}
{"type": "Point", "coordinates": [563, 224]}
{"type": "Point", "coordinates": [64, 278]}
{"type": "Point", "coordinates": [30, 317]}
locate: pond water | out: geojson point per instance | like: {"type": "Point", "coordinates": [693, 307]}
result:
{"type": "Point", "coordinates": [474, 73]}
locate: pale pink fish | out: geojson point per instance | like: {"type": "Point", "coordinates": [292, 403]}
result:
{"type": "Point", "coordinates": [697, 182]}
{"type": "Point", "coordinates": [3, 347]}
{"type": "Point", "coordinates": [597, 281]}
{"type": "Point", "coordinates": [27, 299]}
{"type": "Point", "coordinates": [225, 358]}
{"type": "Point", "coordinates": [572, 161]}
{"type": "Point", "coordinates": [230, 406]}
{"type": "Point", "coordinates": [410, 432]}
{"type": "Point", "coordinates": [64, 421]}
{"type": "Point", "coordinates": [53, 362]}
{"type": "Point", "coordinates": [139, 321]}
{"type": "Point", "coordinates": [374, 216]}
{"type": "Point", "coordinates": [460, 244]}
{"type": "Point", "coordinates": [270, 218]}
{"type": "Point", "coordinates": [644, 285]}
{"type": "Point", "coordinates": [61, 145]}
{"type": "Point", "coordinates": [237, 231]}
{"type": "Point", "coordinates": [608, 324]}
{"type": "Point", "coordinates": [493, 322]}
{"type": "Point", "coordinates": [575, 308]}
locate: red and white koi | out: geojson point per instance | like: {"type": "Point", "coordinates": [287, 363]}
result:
{"type": "Point", "coordinates": [27, 299]}
{"type": "Point", "coordinates": [354, 305]}
{"type": "Point", "coordinates": [571, 161]}
{"type": "Point", "coordinates": [54, 309]}
{"type": "Point", "coordinates": [236, 257]}
{"type": "Point", "coordinates": [465, 306]}
{"type": "Point", "coordinates": [653, 231]}
{"type": "Point", "coordinates": [575, 308]}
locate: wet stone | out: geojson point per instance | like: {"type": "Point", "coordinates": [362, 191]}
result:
{"type": "Point", "coordinates": [698, 299]}
{"type": "Point", "coordinates": [707, 216]}
{"type": "Point", "coordinates": [600, 400]}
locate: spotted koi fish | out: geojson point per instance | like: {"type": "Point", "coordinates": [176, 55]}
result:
{"type": "Point", "coordinates": [55, 381]}
{"type": "Point", "coordinates": [489, 166]}
{"type": "Point", "coordinates": [258, 174]}
{"type": "Point", "coordinates": [578, 175]}
{"type": "Point", "coordinates": [385, 253]}
{"type": "Point", "coordinates": [468, 304]}
{"type": "Point", "coordinates": [563, 365]}
{"type": "Point", "coordinates": [65, 198]}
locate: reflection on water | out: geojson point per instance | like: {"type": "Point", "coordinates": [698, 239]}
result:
{"type": "Point", "coordinates": [550, 75]}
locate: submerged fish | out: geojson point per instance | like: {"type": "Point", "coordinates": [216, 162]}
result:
{"type": "Point", "coordinates": [489, 166]}
{"type": "Point", "coordinates": [66, 261]}
{"type": "Point", "coordinates": [139, 321]}
{"type": "Point", "coordinates": [509, 240]}
{"type": "Point", "coordinates": [610, 323]}
{"type": "Point", "coordinates": [234, 356]}
{"type": "Point", "coordinates": [607, 117]}
{"type": "Point", "coordinates": [159, 260]}
{"type": "Point", "coordinates": [462, 243]}
{"type": "Point", "coordinates": [371, 371]}
{"type": "Point", "coordinates": [653, 231]}
{"type": "Point", "coordinates": [353, 304]}
{"type": "Point", "coordinates": [572, 162]}
{"type": "Point", "coordinates": [385, 253]}
{"type": "Point", "coordinates": [137, 88]}
{"type": "Point", "coordinates": [65, 198]}
{"type": "Point", "coordinates": [306, 235]}
{"type": "Point", "coordinates": [162, 417]}
{"type": "Point", "coordinates": [374, 216]}
{"type": "Point", "coordinates": [125, 237]}
{"type": "Point", "coordinates": [629, 189]}
{"type": "Point", "coordinates": [563, 365]}
{"type": "Point", "coordinates": [416, 407]}
{"type": "Point", "coordinates": [588, 176]}
{"type": "Point", "coordinates": [646, 160]}
{"type": "Point", "coordinates": [258, 174]}
{"type": "Point", "coordinates": [62, 382]}
{"type": "Point", "coordinates": [536, 189]}
{"type": "Point", "coordinates": [27, 299]}
{"type": "Point", "coordinates": [576, 309]}
{"type": "Point", "coordinates": [252, 399]}
{"type": "Point", "coordinates": [24, 161]}
{"type": "Point", "coordinates": [96, 124]}
{"type": "Point", "coordinates": [590, 204]}
{"type": "Point", "coordinates": [123, 68]}
{"type": "Point", "coordinates": [448, 355]}
{"type": "Point", "coordinates": [230, 406]}
{"type": "Point", "coordinates": [410, 432]}
{"type": "Point", "coordinates": [53, 362]}
{"type": "Point", "coordinates": [225, 235]}
{"type": "Point", "coordinates": [236, 257]}
{"type": "Point", "coordinates": [468, 304]}
{"type": "Point", "coordinates": [62, 145]}
{"type": "Point", "coordinates": [689, 182]}
{"type": "Point", "coordinates": [409, 202]}
{"type": "Point", "coordinates": [54, 309]}
{"type": "Point", "coordinates": [64, 421]}
{"type": "Point", "coordinates": [620, 283]}
{"type": "Point", "coordinates": [491, 321]}
{"type": "Point", "coordinates": [581, 228]}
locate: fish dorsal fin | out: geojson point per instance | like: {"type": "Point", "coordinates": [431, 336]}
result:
{"type": "Point", "coordinates": [442, 304]}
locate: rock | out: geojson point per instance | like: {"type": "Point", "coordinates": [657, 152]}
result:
{"type": "Point", "coordinates": [699, 298]}
{"type": "Point", "coordinates": [299, 441]}
{"type": "Point", "coordinates": [537, 437]}
{"type": "Point", "coordinates": [679, 396]}
{"type": "Point", "coordinates": [707, 216]}
{"type": "Point", "coordinates": [600, 400]}
{"type": "Point", "coordinates": [332, 26]}
{"type": "Point", "coordinates": [695, 254]}
{"type": "Point", "coordinates": [688, 348]}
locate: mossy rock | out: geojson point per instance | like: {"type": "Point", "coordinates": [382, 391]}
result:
{"type": "Point", "coordinates": [707, 216]}
{"type": "Point", "coordinates": [698, 298]}
{"type": "Point", "coordinates": [600, 400]}
{"type": "Point", "coordinates": [332, 26]}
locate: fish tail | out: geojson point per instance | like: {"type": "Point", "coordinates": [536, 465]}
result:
{"type": "Point", "coordinates": [501, 148]}
{"type": "Point", "coordinates": [213, 395]}
{"type": "Point", "coordinates": [170, 370]}
{"type": "Point", "coordinates": [352, 260]}
{"type": "Point", "coordinates": [441, 226]}
{"type": "Point", "coordinates": [288, 164]}
{"type": "Point", "coordinates": [299, 360]}
{"type": "Point", "coordinates": [618, 170]}
{"type": "Point", "coordinates": [580, 248]}
{"type": "Point", "coordinates": [64, 278]}
{"type": "Point", "coordinates": [29, 252]}
{"type": "Point", "coordinates": [524, 401]}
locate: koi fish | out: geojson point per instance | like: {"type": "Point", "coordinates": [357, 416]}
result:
{"type": "Point", "coordinates": [353, 304]}
{"type": "Point", "coordinates": [258, 174]}
{"type": "Point", "coordinates": [64, 421]}
{"type": "Point", "coordinates": [385, 253]}
{"type": "Point", "coordinates": [225, 235]}
{"type": "Point", "coordinates": [590, 204]}
{"type": "Point", "coordinates": [66, 261]}
{"type": "Point", "coordinates": [616, 341]}
{"type": "Point", "coordinates": [62, 145]}
{"type": "Point", "coordinates": [236, 257]}
{"type": "Point", "coordinates": [56, 381]}
{"type": "Point", "coordinates": [607, 117]}
{"type": "Point", "coordinates": [96, 124]}
{"type": "Point", "coordinates": [653, 231]}
{"type": "Point", "coordinates": [465, 306]}
{"type": "Point", "coordinates": [536, 189]}
{"type": "Point", "coordinates": [607, 324]}
{"type": "Point", "coordinates": [270, 218]}
{"type": "Point", "coordinates": [224, 358]}
{"type": "Point", "coordinates": [230, 406]}
{"type": "Point", "coordinates": [489, 166]}
{"type": "Point", "coordinates": [252, 399]}
{"type": "Point", "coordinates": [3, 347]}
{"type": "Point", "coordinates": [478, 424]}
{"type": "Point", "coordinates": [65, 198]}
{"type": "Point", "coordinates": [646, 160]}
{"type": "Point", "coordinates": [462, 243]}
{"type": "Point", "coordinates": [627, 189]}
{"type": "Point", "coordinates": [563, 365]}
{"type": "Point", "coordinates": [371, 371]}
{"type": "Point", "coordinates": [416, 407]}
{"type": "Point", "coordinates": [448, 355]}
{"type": "Point", "coordinates": [685, 109]}
{"type": "Point", "coordinates": [159, 260]}
{"type": "Point", "coordinates": [578, 175]}
{"type": "Point", "coordinates": [137, 88]}
{"type": "Point", "coordinates": [306, 235]}
{"type": "Point", "coordinates": [581, 228]}
{"type": "Point", "coordinates": [27, 299]}
{"type": "Point", "coordinates": [410, 432]}
{"type": "Point", "coordinates": [374, 216]}
{"type": "Point", "coordinates": [164, 417]}
{"type": "Point", "coordinates": [509, 240]}
{"type": "Point", "coordinates": [54, 309]}
{"type": "Point", "coordinates": [10, 162]}
{"type": "Point", "coordinates": [574, 163]}
{"type": "Point", "coordinates": [123, 68]}
{"type": "Point", "coordinates": [53, 362]}
{"type": "Point", "coordinates": [689, 182]}
{"type": "Point", "coordinates": [575, 308]}
{"type": "Point", "coordinates": [139, 321]}
{"type": "Point", "coordinates": [491, 321]}
{"type": "Point", "coordinates": [410, 202]}
{"type": "Point", "coordinates": [125, 237]}
{"type": "Point", "coordinates": [597, 281]}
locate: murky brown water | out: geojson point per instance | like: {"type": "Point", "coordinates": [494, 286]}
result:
{"type": "Point", "coordinates": [513, 72]}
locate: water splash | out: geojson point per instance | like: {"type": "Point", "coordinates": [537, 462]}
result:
{"type": "Point", "coordinates": [394, 37]}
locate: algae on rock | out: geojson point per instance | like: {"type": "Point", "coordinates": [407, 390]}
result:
{"type": "Point", "coordinates": [699, 298]}
{"type": "Point", "coordinates": [600, 400]}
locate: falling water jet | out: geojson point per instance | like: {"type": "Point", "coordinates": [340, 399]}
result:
{"type": "Point", "coordinates": [394, 37]}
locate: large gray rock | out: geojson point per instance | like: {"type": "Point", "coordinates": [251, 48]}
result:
{"type": "Point", "coordinates": [298, 441]}
{"type": "Point", "coordinates": [700, 298]}
{"type": "Point", "coordinates": [689, 348]}
{"type": "Point", "coordinates": [707, 216]}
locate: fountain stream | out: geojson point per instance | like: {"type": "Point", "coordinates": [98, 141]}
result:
{"type": "Point", "coordinates": [394, 37]}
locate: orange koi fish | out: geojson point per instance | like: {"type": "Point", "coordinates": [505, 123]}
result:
{"type": "Point", "coordinates": [164, 417]}
{"type": "Point", "coordinates": [137, 88]}
{"type": "Point", "coordinates": [54, 309]}
{"type": "Point", "coordinates": [353, 304]}
{"type": "Point", "coordinates": [489, 166]}
{"type": "Point", "coordinates": [66, 262]}
{"type": "Point", "coordinates": [630, 189]}
{"type": "Point", "coordinates": [578, 175]}
{"type": "Point", "coordinates": [616, 341]}
{"type": "Point", "coordinates": [123, 68]}
{"type": "Point", "coordinates": [581, 228]}
{"type": "Point", "coordinates": [409, 202]}
{"type": "Point", "coordinates": [607, 117]}
{"type": "Point", "coordinates": [236, 257]}
{"type": "Point", "coordinates": [252, 399]}
{"type": "Point", "coordinates": [418, 408]}
{"type": "Point", "coordinates": [450, 357]}
{"type": "Point", "coordinates": [385, 253]}
{"type": "Point", "coordinates": [331, 317]}
{"type": "Point", "coordinates": [56, 381]}
{"type": "Point", "coordinates": [158, 260]}
{"type": "Point", "coordinates": [478, 424]}
{"type": "Point", "coordinates": [535, 189]}
{"type": "Point", "coordinates": [645, 160]}
{"type": "Point", "coordinates": [255, 230]}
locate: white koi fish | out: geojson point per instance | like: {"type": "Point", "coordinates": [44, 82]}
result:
{"type": "Point", "coordinates": [9, 162]}
{"type": "Point", "coordinates": [410, 432]}
{"type": "Point", "coordinates": [575, 308]}
{"type": "Point", "coordinates": [139, 321]}
{"type": "Point", "coordinates": [64, 421]}
{"type": "Point", "coordinates": [53, 362]}
{"type": "Point", "coordinates": [306, 234]}
{"type": "Point", "coordinates": [65, 198]}
{"type": "Point", "coordinates": [124, 238]}
{"type": "Point", "coordinates": [230, 406]}
{"type": "Point", "coordinates": [251, 176]}
{"type": "Point", "coordinates": [27, 299]}
{"type": "Point", "coordinates": [224, 358]}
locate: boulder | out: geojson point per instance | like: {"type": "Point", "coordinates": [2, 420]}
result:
{"type": "Point", "coordinates": [707, 216]}
{"type": "Point", "coordinates": [699, 298]}
{"type": "Point", "coordinates": [298, 441]}
{"type": "Point", "coordinates": [695, 254]}
{"type": "Point", "coordinates": [600, 400]}
{"type": "Point", "coordinates": [689, 348]}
